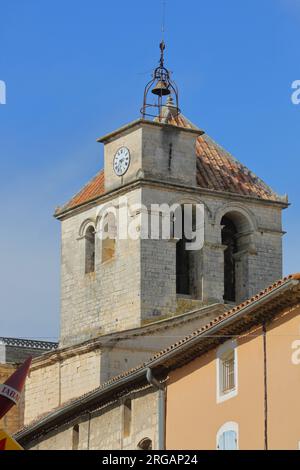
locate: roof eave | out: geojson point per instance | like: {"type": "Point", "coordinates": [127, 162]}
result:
{"type": "Point", "coordinates": [60, 213]}
{"type": "Point", "coordinates": [145, 122]}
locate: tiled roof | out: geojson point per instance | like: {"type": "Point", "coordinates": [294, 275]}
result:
{"type": "Point", "coordinates": [147, 329]}
{"type": "Point", "coordinates": [92, 190]}
{"type": "Point", "coordinates": [217, 170]}
{"type": "Point", "coordinates": [28, 343]}
{"type": "Point", "coordinates": [188, 343]}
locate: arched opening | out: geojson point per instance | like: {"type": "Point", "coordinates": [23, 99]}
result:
{"type": "Point", "coordinates": [108, 238]}
{"type": "Point", "coordinates": [188, 262]}
{"type": "Point", "coordinates": [90, 250]}
{"type": "Point", "coordinates": [183, 257]}
{"type": "Point", "coordinates": [236, 239]}
{"type": "Point", "coordinates": [229, 240]}
{"type": "Point", "coordinates": [182, 268]}
{"type": "Point", "coordinates": [227, 437]}
{"type": "Point", "coordinates": [145, 444]}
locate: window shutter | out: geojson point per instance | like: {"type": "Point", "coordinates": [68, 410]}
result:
{"type": "Point", "coordinates": [230, 440]}
{"type": "Point", "coordinates": [227, 441]}
{"type": "Point", "coordinates": [221, 443]}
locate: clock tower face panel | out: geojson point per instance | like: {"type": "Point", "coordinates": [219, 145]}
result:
{"type": "Point", "coordinates": [155, 152]}
{"type": "Point", "coordinates": [121, 161]}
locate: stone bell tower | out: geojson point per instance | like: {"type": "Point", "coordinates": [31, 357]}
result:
{"type": "Point", "coordinates": [116, 284]}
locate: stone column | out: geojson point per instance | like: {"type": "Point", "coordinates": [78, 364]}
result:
{"type": "Point", "coordinates": [213, 272]}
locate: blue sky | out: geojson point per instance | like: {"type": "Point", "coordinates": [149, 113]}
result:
{"type": "Point", "coordinates": [75, 70]}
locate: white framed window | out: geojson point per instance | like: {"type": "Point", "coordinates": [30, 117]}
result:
{"type": "Point", "coordinates": [227, 371]}
{"type": "Point", "coordinates": [228, 437]}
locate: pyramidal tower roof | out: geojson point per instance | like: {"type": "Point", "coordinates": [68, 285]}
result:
{"type": "Point", "coordinates": [217, 170]}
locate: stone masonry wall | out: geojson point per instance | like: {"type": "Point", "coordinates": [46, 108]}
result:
{"type": "Point", "coordinates": [105, 430]}
{"type": "Point", "coordinates": [140, 282]}
{"type": "Point", "coordinates": [108, 299]}
{"type": "Point", "coordinates": [54, 382]}
{"type": "Point", "coordinates": [261, 258]}
{"type": "Point", "coordinates": [60, 376]}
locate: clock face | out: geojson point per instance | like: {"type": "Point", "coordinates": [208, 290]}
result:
{"type": "Point", "coordinates": [121, 161]}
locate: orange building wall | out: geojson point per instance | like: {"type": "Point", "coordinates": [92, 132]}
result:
{"type": "Point", "coordinates": [193, 416]}
{"type": "Point", "coordinates": [13, 420]}
{"type": "Point", "coordinates": [283, 383]}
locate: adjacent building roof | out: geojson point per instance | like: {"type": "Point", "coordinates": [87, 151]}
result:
{"type": "Point", "coordinates": [29, 343]}
{"type": "Point", "coordinates": [264, 306]}
{"type": "Point", "coordinates": [185, 321]}
{"type": "Point", "coordinates": [16, 350]}
{"type": "Point", "coordinates": [217, 170]}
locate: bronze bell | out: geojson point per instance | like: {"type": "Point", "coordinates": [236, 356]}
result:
{"type": "Point", "coordinates": [161, 89]}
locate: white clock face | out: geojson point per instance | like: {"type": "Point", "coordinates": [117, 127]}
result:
{"type": "Point", "coordinates": [121, 161]}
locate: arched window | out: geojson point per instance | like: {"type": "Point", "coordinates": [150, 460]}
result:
{"type": "Point", "coordinates": [90, 250]}
{"type": "Point", "coordinates": [185, 259]}
{"type": "Point", "coordinates": [229, 239]}
{"type": "Point", "coordinates": [182, 268]}
{"type": "Point", "coordinates": [108, 237]}
{"type": "Point", "coordinates": [227, 437]}
{"type": "Point", "coordinates": [145, 444]}
{"type": "Point", "coordinates": [75, 437]}
{"type": "Point", "coordinates": [236, 238]}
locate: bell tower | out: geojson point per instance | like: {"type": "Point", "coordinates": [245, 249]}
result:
{"type": "Point", "coordinates": [163, 159]}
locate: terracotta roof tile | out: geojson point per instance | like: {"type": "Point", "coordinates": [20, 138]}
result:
{"type": "Point", "coordinates": [217, 169]}
{"type": "Point", "coordinates": [93, 189]}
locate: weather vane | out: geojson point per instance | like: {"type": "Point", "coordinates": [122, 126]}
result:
{"type": "Point", "coordinates": [161, 85]}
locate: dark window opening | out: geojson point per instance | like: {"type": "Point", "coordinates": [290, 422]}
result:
{"type": "Point", "coordinates": [182, 268]}
{"type": "Point", "coordinates": [90, 250]}
{"type": "Point", "coordinates": [229, 239]}
{"type": "Point", "coordinates": [75, 437]}
{"type": "Point", "coordinates": [185, 259]}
